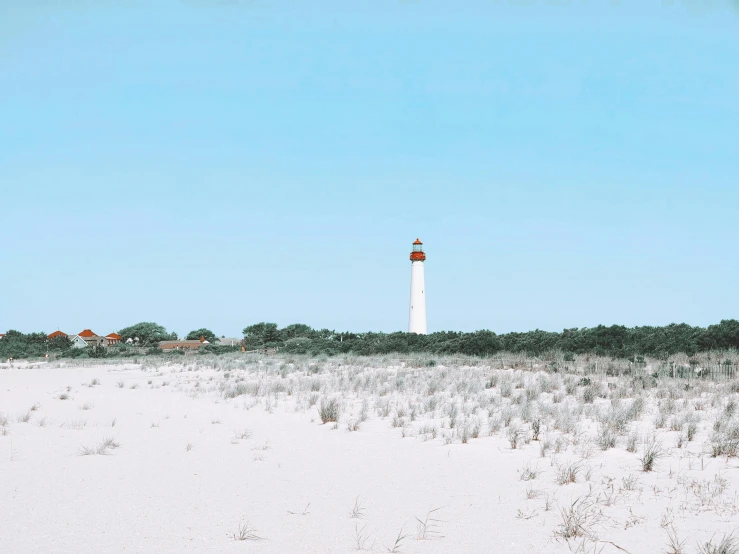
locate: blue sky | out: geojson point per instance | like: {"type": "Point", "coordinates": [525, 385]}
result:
{"type": "Point", "coordinates": [219, 163]}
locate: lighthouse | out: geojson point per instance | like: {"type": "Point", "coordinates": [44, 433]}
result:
{"type": "Point", "coordinates": [417, 318]}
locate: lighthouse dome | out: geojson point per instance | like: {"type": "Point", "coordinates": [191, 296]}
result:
{"type": "Point", "coordinates": [417, 255]}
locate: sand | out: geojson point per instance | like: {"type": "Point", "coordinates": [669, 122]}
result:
{"type": "Point", "coordinates": [186, 467]}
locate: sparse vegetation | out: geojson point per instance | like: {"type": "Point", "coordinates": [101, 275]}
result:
{"type": "Point", "coordinates": [529, 472]}
{"type": "Point", "coordinates": [674, 544]}
{"type": "Point", "coordinates": [651, 451]}
{"type": "Point", "coordinates": [329, 410]}
{"type": "Point", "coordinates": [579, 518]}
{"type": "Point", "coordinates": [567, 473]}
{"type": "Point", "coordinates": [727, 544]}
{"type": "Point", "coordinates": [102, 449]}
{"type": "Point", "coordinates": [429, 527]}
{"type": "Point", "coordinates": [243, 433]}
{"type": "Point", "coordinates": [246, 532]}
{"type": "Point", "coordinates": [357, 511]}
{"type": "Point", "coordinates": [361, 537]}
{"type": "Point", "coordinates": [574, 412]}
{"type": "Point", "coordinates": [395, 547]}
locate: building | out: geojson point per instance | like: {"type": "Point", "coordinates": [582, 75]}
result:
{"type": "Point", "coordinates": [84, 339]}
{"type": "Point", "coordinates": [88, 338]}
{"type": "Point", "coordinates": [93, 339]}
{"type": "Point", "coordinates": [77, 341]}
{"type": "Point", "coordinates": [181, 344]}
{"type": "Point", "coordinates": [417, 316]}
{"type": "Point", "coordinates": [223, 341]}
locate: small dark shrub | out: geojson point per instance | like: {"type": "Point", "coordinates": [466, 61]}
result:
{"type": "Point", "coordinates": [329, 410]}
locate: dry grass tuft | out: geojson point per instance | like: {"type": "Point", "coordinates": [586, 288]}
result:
{"type": "Point", "coordinates": [358, 510]}
{"type": "Point", "coordinates": [727, 545]}
{"type": "Point", "coordinates": [651, 451]}
{"type": "Point", "coordinates": [395, 548]}
{"type": "Point", "coordinates": [102, 449]}
{"type": "Point", "coordinates": [429, 527]}
{"type": "Point", "coordinates": [674, 544]}
{"type": "Point", "coordinates": [246, 532]}
{"type": "Point", "coordinates": [568, 473]}
{"type": "Point", "coordinates": [242, 434]}
{"type": "Point", "coordinates": [579, 519]}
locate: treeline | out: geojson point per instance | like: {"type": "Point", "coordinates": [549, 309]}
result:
{"type": "Point", "coordinates": [31, 345]}
{"type": "Point", "coordinates": [138, 339]}
{"type": "Point", "coordinates": [616, 341]}
{"type": "Point", "coordinates": [19, 345]}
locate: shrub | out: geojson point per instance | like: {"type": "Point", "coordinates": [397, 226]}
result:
{"type": "Point", "coordinates": [691, 430]}
{"type": "Point", "coordinates": [652, 450]}
{"type": "Point", "coordinates": [536, 428]}
{"type": "Point", "coordinates": [96, 351]}
{"type": "Point", "coordinates": [589, 393]}
{"type": "Point", "coordinates": [606, 438]}
{"type": "Point", "coordinates": [329, 410]}
{"type": "Point", "coordinates": [725, 441]}
{"type": "Point", "coordinates": [515, 434]}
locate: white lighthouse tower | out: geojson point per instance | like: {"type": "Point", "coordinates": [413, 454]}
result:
{"type": "Point", "coordinates": [417, 318]}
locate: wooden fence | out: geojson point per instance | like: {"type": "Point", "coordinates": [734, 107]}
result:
{"type": "Point", "coordinates": [717, 371]}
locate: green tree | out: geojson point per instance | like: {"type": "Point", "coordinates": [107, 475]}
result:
{"type": "Point", "coordinates": [256, 335]}
{"type": "Point", "coordinates": [723, 335]}
{"type": "Point", "coordinates": [18, 345]}
{"type": "Point", "coordinates": [60, 343]}
{"type": "Point", "coordinates": [271, 335]}
{"type": "Point", "coordinates": [148, 333]}
{"type": "Point", "coordinates": [297, 330]}
{"type": "Point", "coordinates": [205, 333]}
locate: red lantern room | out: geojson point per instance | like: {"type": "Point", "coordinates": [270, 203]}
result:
{"type": "Point", "coordinates": [417, 255]}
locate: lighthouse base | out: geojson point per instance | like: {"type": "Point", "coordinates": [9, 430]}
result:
{"type": "Point", "coordinates": [417, 317]}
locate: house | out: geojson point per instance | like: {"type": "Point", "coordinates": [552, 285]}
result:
{"type": "Point", "coordinates": [2, 335]}
{"type": "Point", "coordinates": [88, 338]}
{"type": "Point", "coordinates": [223, 341]}
{"type": "Point", "coordinates": [96, 341]}
{"type": "Point", "coordinates": [181, 344]}
{"type": "Point", "coordinates": [77, 341]}
{"type": "Point", "coordinates": [92, 339]}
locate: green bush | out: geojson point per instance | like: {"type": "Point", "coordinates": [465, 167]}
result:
{"type": "Point", "coordinates": [96, 352]}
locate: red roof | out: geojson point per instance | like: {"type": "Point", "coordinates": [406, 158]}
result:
{"type": "Point", "coordinates": [417, 242]}
{"type": "Point", "coordinates": [57, 334]}
{"type": "Point", "coordinates": [87, 334]}
{"type": "Point", "coordinates": [114, 336]}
